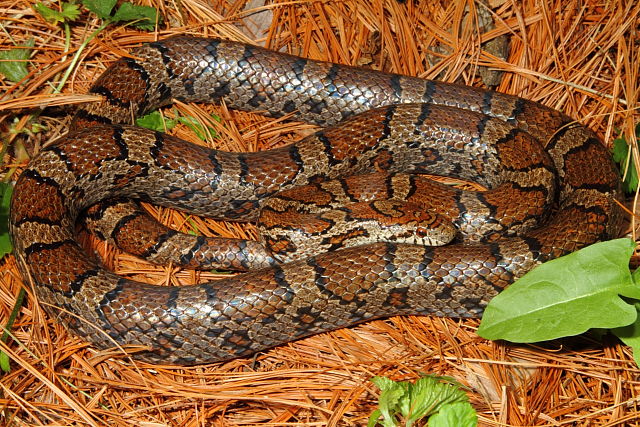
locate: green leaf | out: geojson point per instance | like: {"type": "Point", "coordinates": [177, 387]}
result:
{"type": "Point", "coordinates": [102, 8]}
{"type": "Point", "coordinates": [196, 127]}
{"type": "Point", "coordinates": [373, 418]}
{"type": "Point", "coordinates": [621, 156]}
{"type": "Point", "coordinates": [414, 402]}
{"type": "Point", "coordinates": [155, 121]}
{"type": "Point", "coordinates": [429, 394]}
{"type": "Point", "coordinates": [5, 364]}
{"type": "Point", "coordinates": [630, 335]}
{"type": "Point", "coordinates": [145, 16]}
{"type": "Point", "coordinates": [566, 296]}
{"type": "Point", "coordinates": [460, 414]}
{"type": "Point", "coordinates": [391, 394]}
{"type": "Point", "coordinates": [5, 201]}
{"type": "Point", "coordinates": [69, 12]}
{"type": "Point", "coordinates": [13, 62]}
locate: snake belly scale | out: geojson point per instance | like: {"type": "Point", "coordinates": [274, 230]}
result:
{"type": "Point", "coordinates": [375, 121]}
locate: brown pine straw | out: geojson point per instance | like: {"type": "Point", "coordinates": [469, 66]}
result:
{"type": "Point", "coordinates": [580, 56]}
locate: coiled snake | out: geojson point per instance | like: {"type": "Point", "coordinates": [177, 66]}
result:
{"type": "Point", "coordinates": [377, 122]}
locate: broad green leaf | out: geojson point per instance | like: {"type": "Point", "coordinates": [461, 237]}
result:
{"type": "Point", "coordinates": [69, 12]}
{"type": "Point", "coordinates": [460, 414]}
{"type": "Point", "coordinates": [144, 16]}
{"type": "Point", "coordinates": [102, 8]}
{"type": "Point", "coordinates": [5, 201]}
{"type": "Point", "coordinates": [566, 296]}
{"type": "Point", "coordinates": [13, 62]}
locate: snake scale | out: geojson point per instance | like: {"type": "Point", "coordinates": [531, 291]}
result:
{"type": "Point", "coordinates": [388, 124]}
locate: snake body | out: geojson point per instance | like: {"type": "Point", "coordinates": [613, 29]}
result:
{"type": "Point", "coordinates": [376, 122]}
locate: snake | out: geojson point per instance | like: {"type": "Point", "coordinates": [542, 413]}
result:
{"type": "Point", "coordinates": [551, 188]}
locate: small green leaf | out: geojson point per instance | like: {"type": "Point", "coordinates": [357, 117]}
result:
{"type": "Point", "coordinates": [391, 394]}
{"type": "Point", "coordinates": [48, 14]}
{"type": "Point", "coordinates": [460, 414]}
{"type": "Point", "coordinates": [5, 363]}
{"type": "Point", "coordinates": [155, 121]}
{"type": "Point", "coordinates": [196, 127]}
{"type": "Point", "coordinates": [566, 296]}
{"type": "Point", "coordinates": [621, 156]}
{"type": "Point", "coordinates": [414, 402]}
{"type": "Point", "coordinates": [69, 12]}
{"type": "Point", "coordinates": [429, 394]}
{"type": "Point", "coordinates": [13, 62]}
{"type": "Point", "coordinates": [145, 16]}
{"type": "Point", "coordinates": [5, 201]}
{"type": "Point", "coordinates": [102, 8]}
{"type": "Point", "coordinates": [373, 418]}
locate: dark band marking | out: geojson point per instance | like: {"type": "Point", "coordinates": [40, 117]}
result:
{"type": "Point", "coordinates": [386, 123]}
{"type": "Point", "coordinates": [347, 190]}
{"type": "Point", "coordinates": [123, 222]}
{"type": "Point", "coordinates": [212, 47]}
{"type": "Point", "coordinates": [328, 148]}
{"type": "Point", "coordinates": [430, 88]}
{"type": "Point", "coordinates": [244, 259]}
{"type": "Point", "coordinates": [107, 299]}
{"type": "Point", "coordinates": [186, 258]}
{"type": "Point", "coordinates": [144, 104]}
{"type": "Point", "coordinates": [396, 87]}
{"type": "Point", "coordinates": [109, 97]}
{"type": "Point", "coordinates": [289, 106]}
{"type": "Point", "coordinates": [155, 151]}
{"type": "Point", "coordinates": [298, 67]}
{"type": "Point", "coordinates": [317, 107]}
{"type": "Point", "coordinates": [487, 100]}
{"type": "Point", "coordinates": [244, 168]}
{"type": "Point", "coordinates": [389, 258]}
{"type": "Point", "coordinates": [39, 246]}
{"type": "Point", "coordinates": [535, 248]}
{"type": "Point", "coordinates": [165, 56]}
{"type": "Point", "coordinates": [122, 145]}
{"type": "Point", "coordinates": [164, 92]}
{"type": "Point", "coordinates": [482, 124]}
{"type": "Point", "coordinates": [281, 280]}
{"type": "Point", "coordinates": [172, 303]}
{"type": "Point", "coordinates": [76, 285]}
{"type": "Point", "coordinates": [84, 116]}
{"type": "Point", "coordinates": [294, 155]}
{"type": "Point", "coordinates": [319, 279]}
{"type": "Point", "coordinates": [425, 112]}
{"type": "Point", "coordinates": [519, 108]}
{"type": "Point", "coordinates": [216, 165]}
{"type": "Point", "coordinates": [330, 81]}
